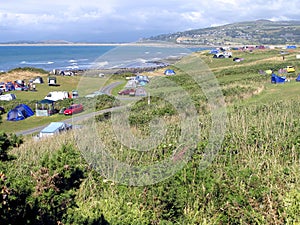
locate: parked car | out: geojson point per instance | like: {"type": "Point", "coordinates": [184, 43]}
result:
{"type": "Point", "coordinates": [290, 69]}
{"type": "Point", "coordinates": [75, 108]}
{"type": "Point", "coordinates": [94, 94]}
{"type": "Point", "coordinates": [223, 55]}
{"type": "Point", "coordinates": [127, 92]}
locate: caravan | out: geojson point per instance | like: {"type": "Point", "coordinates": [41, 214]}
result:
{"type": "Point", "coordinates": [54, 128]}
{"type": "Point", "coordinates": [57, 95]}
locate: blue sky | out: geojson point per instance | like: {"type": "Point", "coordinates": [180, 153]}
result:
{"type": "Point", "coordinates": [127, 20]}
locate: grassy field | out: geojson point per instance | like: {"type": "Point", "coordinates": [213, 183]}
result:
{"type": "Point", "coordinates": [253, 178]}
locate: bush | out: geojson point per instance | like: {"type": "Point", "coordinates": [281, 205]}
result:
{"type": "Point", "coordinates": [6, 143]}
{"type": "Point", "coordinates": [31, 69]}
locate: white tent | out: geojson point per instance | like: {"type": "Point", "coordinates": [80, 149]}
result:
{"type": "Point", "coordinates": [38, 80]}
{"type": "Point", "coordinates": [131, 84]}
{"type": "Point", "coordinates": [8, 97]}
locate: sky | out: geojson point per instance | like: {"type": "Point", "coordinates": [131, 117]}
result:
{"type": "Point", "coordinates": [127, 20]}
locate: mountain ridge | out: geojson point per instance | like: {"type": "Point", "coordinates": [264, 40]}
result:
{"type": "Point", "coordinates": [258, 32]}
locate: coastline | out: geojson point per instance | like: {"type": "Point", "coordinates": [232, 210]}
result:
{"type": "Point", "coordinates": [62, 44]}
{"type": "Point", "coordinates": [159, 44]}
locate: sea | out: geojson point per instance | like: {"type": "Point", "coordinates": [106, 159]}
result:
{"type": "Point", "coordinates": [84, 57]}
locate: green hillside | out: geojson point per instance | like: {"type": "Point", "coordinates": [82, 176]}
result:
{"type": "Point", "coordinates": [260, 32]}
{"type": "Point", "coordinates": [252, 178]}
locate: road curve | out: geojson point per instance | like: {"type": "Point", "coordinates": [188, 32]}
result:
{"type": "Point", "coordinates": [107, 89]}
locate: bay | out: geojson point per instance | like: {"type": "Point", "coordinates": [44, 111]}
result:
{"type": "Point", "coordinates": [82, 57]}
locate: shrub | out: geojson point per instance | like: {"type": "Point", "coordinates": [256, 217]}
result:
{"type": "Point", "coordinates": [6, 143]}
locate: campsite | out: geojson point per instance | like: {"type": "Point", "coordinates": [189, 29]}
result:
{"type": "Point", "coordinates": [252, 179]}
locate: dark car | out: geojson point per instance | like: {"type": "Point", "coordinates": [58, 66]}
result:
{"type": "Point", "coordinates": [75, 108]}
{"type": "Point", "coordinates": [127, 92]}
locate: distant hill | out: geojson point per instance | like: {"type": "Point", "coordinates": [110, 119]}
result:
{"type": "Point", "coordinates": [259, 32]}
{"type": "Point", "coordinates": [38, 42]}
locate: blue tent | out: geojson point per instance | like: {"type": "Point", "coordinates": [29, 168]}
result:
{"type": "Point", "coordinates": [169, 72]}
{"type": "Point", "coordinates": [298, 78]}
{"type": "Point", "coordinates": [9, 86]}
{"type": "Point", "coordinates": [214, 51]}
{"type": "Point", "coordinates": [277, 79]}
{"type": "Point", "coordinates": [291, 46]}
{"type": "Point", "coordinates": [20, 112]}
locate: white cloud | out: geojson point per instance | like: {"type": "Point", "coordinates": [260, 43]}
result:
{"type": "Point", "coordinates": [192, 16]}
{"type": "Point", "coordinates": [102, 20]}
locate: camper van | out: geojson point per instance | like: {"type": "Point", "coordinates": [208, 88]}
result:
{"type": "Point", "coordinates": [54, 128]}
{"type": "Point", "coordinates": [223, 55]}
{"type": "Point", "coordinates": [57, 95]}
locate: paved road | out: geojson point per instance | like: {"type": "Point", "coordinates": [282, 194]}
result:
{"type": "Point", "coordinates": [107, 89]}
{"type": "Point", "coordinates": [72, 119]}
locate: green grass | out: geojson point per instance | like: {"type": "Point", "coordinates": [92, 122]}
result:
{"type": "Point", "coordinates": [31, 122]}
{"type": "Point", "coordinates": [276, 92]}
{"type": "Point", "coordinates": [118, 88]}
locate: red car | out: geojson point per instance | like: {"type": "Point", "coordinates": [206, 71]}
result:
{"type": "Point", "coordinates": [75, 108]}
{"type": "Point", "coordinates": [127, 92]}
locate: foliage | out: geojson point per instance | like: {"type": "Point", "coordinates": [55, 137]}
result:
{"type": "Point", "coordinates": [30, 69]}
{"type": "Point", "coordinates": [44, 195]}
{"type": "Point", "coordinates": [8, 105]}
{"type": "Point", "coordinates": [105, 101]}
{"type": "Point", "coordinates": [7, 142]}
{"type": "Point", "coordinates": [142, 113]}
{"type": "Point", "coordinates": [292, 206]}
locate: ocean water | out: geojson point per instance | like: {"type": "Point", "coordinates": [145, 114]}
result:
{"type": "Point", "coordinates": [86, 57]}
